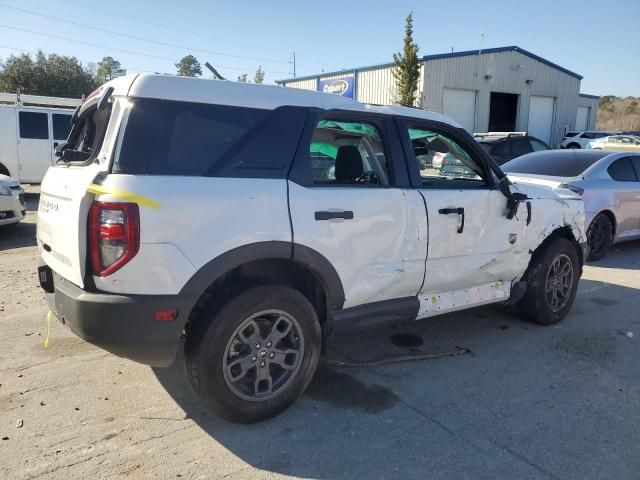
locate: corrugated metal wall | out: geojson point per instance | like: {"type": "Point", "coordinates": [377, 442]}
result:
{"type": "Point", "coordinates": [592, 103]}
{"type": "Point", "coordinates": [307, 84]}
{"type": "Point", "coordinates": [508, 72]}
{"type": "Point", "coordinates": [378, 86]}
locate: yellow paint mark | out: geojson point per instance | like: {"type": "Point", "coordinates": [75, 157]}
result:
{"type": "Point", "coordinates": [46, 340]}
{"type": "Point", "coordinates": [124, 195]}
{"type": "Point", "coordinates": [434, 300]}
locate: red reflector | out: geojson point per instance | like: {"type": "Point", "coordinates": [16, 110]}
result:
{"type": "Point", "coordinates": [112, 231]}
{"type": "Point", "coordinates": [165, 315]}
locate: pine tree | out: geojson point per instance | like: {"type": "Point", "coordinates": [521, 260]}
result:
{"type": "Point", "coordinates": [259, 76]}
{"type": "Point", "coordinates": [189, 66]}
{"type": "Point", "coordinates": [407, 67]}
{"type": "Point", "coordinates": [242, 78]}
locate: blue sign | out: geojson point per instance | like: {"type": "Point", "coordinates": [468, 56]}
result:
{"type": "Point", "coordinates": [341, 86]}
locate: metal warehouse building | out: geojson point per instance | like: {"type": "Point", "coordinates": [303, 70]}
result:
{"type": "Point", "coordinates": [497, 89]}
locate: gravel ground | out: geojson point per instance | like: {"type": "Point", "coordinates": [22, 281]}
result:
{"type": "Point", "coordinates": [528, 402]}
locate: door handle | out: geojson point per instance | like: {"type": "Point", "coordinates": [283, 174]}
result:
{"type": "Point", "coordinates": [347, 215]}
{"type": "Point", "coordinates": [55, 145]}
{"type": "Point", "coordinates": [459, 211]}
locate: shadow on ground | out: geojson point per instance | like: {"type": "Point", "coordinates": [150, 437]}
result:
{"type": "Point", "coordinates": [527, 402]}
{"type": "Point", "coordinates": [622, 255]}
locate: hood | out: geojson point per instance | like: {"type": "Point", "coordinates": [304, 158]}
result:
{"type": "Point", "coordinates": [543, 187]}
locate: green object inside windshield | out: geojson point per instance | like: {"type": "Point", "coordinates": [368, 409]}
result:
{"type": "Point", "coordinates": [327, 149]}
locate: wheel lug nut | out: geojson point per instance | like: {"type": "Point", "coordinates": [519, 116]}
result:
{"type": "Point", "coordinates": [258, 345]}
{"type": "Point", "coordinates": [268, 344]}
{"type": "Point", "coordinates": [254, 358]}
{"type": "Point", "coordinates": [262, 364]}
{"type": "Point", "coordinates": [271, 355]}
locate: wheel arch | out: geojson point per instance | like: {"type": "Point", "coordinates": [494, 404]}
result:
{"type": "Point", "coordinates": [565, 232]}
{"type": "Point", "coordinates": [293, 265]}
{"type": "Point", "coordinates": [4, 170]}
{"type": "Point", "coordinates": [611, 216]}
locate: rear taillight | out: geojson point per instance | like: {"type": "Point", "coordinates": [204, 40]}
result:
{"type": "Point", "coordinates": [114, 235]}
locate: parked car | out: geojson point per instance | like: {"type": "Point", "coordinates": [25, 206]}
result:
{"type": "Point", "coordinates": [31, 128]}
{"type": "Point", "coordinates": [12, 204]}
{"type": "Point", "coordinates": [608, 182]}
{"type": "Point", "coordinates": [245, 224]}
{"type": "Point", "coordinates": [617, 143]}
{"type": "Point", "coordinates": [578, 140]}
{"type": "Point", "coordinates": [507, 147]}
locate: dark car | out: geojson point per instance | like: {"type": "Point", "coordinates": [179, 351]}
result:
{"type": "Point", "coordinates": [505, 148]}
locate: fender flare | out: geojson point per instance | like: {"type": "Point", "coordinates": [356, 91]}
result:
{"type": "Point", "coordinates": [305, 257]}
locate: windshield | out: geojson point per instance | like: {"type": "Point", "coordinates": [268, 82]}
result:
{"type": "Point", "coordinates": [554, 163]}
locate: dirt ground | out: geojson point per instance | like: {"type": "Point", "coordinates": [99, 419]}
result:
{"type": "Point", "coordinates": [528, 402]}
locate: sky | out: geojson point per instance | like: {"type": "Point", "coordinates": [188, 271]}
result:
{"type": "Point", "coordinates": [597, 41]}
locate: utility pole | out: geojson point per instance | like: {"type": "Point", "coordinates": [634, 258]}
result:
{"type": "Point", "coordinates": [214, 71]}
{"type": "Point", "coordinates": [293, 62]}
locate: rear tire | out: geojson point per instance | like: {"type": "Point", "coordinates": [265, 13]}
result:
{"type": "Point", "coordinates": [574, 146]}
{"type": "Point", "coordinates": [552, 283]}
{"type": "Point", "coordinates": [252, 358]}
{"type": "Point", "coordinates": [599, 237]}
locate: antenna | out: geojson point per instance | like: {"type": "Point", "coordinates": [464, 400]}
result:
{"type": "Point", "coordinates": [214, 71]}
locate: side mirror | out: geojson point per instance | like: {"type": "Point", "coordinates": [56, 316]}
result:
{"type": "Point", "coordinates": [59, 149]}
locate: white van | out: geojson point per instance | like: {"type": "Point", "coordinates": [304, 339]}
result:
{"type": "Point", "coordinates": [31, 128]}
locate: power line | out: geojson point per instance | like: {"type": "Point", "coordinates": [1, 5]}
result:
{"type": "Point", "coordinates": [154, 24]}
{"type": "Point", "coordinates": [135, 37]}
{"type": "Point", "coordinates": [228, 67]}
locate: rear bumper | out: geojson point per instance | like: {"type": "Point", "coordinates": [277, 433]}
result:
{"type": "Point", "coordinates": [121, 324]}
{"type": "Point", "coordinates": [12, 209]}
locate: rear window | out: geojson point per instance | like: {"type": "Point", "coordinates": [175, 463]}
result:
{"type": "Point", "coordinates": [88, 133]}
{"type": "Point", "coordinates": [554, 163]}
{"type": "Point", "coordinates": [570, 134]}
{"type": "Point", "coordinates": [184, 138]}
{"type": "Point", "coordinates": [61, 125]}
{"type": "Point", "coordinates": [33, 125]}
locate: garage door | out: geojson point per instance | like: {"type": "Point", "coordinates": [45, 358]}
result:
{"type": "Point", "coordinates": [541, 118]}
{"type": "Point", "coordinates": [461, 106]}
{"type": "Point", "coordinates": [582, 119]}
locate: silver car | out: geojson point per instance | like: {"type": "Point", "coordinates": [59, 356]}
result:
{"type": "Point", "coordinates": [608, 182]}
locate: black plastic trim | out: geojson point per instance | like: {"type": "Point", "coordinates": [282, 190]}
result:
{"type": "Point", "coordinates": [386, 311]}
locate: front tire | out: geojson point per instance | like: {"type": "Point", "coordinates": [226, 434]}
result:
{"type": "Point", "coordinates": [552, 283]}
{"type": "Point", "coordinates": [252, 358]}
{"type": "Point", "coordinates": [599, 237]}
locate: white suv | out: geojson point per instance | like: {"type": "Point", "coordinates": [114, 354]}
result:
{"type": "Point", "coordinates": [245, 224]}
{"type": "Point", "coordinates": [581, 139]}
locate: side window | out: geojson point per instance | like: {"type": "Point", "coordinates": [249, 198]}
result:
{"type": "Point", "coordinates": [61, 125]}
{"type": "Point", "coordinates": [33, 125]}
{"type": "Point", "coordinates": [344, 152]}
{"type": "Point", "coordinates": [537, 145]}
{"type": "Point", "coordinates": [613, 140]}
{"type": "Point", "coordinates": [520, 147]}
{"type": "Point", "coordinates": [440, 157]}
{"type": "Point", "coordinates": [502, 149]}
{"type": "Point", "coordinates": [588, 135]}
{"type": "Point", "coordinates": [622, 171]}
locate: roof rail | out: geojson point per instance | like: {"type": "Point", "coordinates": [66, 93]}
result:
{"type": "Point", "coordinates": [21, 99]}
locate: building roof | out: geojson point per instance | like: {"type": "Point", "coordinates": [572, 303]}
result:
{"type": "Point", "coordinates": [585, 95]}
{"type": "Point", "coordinates": [439, 56]}
{"type": "Point", "coordinates": [250, 95]}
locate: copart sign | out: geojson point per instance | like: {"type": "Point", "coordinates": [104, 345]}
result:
{"type": "Point", "coordinates": [340, 86]}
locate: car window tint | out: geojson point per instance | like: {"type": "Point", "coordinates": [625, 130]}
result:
{"type": "Point", "coordinates": [537, 145]}
{"type": "Point", "coordinates": [636, 164]}
{"type": "Point", "coordinates": [33, 125]}
{"type": "Point", "coordinates": [501, 149]}
{"type": "Point", "coordinates": [440, 157]}
{"type": "Point", "coordinates": [344, 152]}
{"type": "Point", "coordinates": [61, 125]}
{"type": "Point", "coordinates": [556, 163]}
{"type": "Point", "coordinates": [622, 171]}
{"type": "Point", "coordinates": [520, 147]}
{"type": "Point", "coordinates": [588, 135]}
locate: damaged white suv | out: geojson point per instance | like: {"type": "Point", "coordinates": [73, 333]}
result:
{"type": "Point", "coordinates": [245, 224]}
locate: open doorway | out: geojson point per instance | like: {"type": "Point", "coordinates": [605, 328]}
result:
{"type": "Point", "coordinates": [503, 111]}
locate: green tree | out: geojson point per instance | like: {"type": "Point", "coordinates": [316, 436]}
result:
{"type": "Point", "coordinates": [50, 75]}
{"type": "Point", "coordinates": [108, 69]}
{"type": "Point", "coordinates": [407, 67]}
{"type": "Point", "coordinates": [259, 76]}
{"type": "Point", "coordinates": [242, 78]}
{"type": "Point", "coordinates": [189, 66]}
